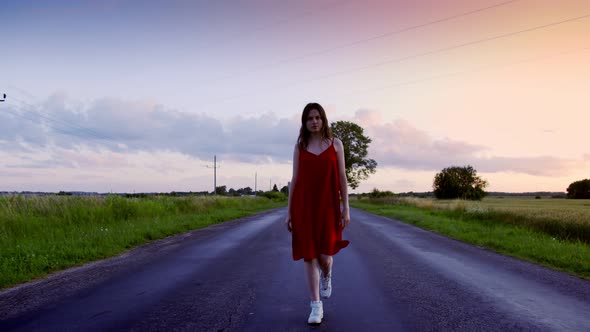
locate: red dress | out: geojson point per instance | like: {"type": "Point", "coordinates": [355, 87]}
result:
{"type": "Point", "coordinates": [315, 210]}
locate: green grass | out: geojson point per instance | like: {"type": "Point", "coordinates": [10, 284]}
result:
{"type": "Point", "coordinates": [504, 230]}
{"type": "Point", "coordinates": [40, 235]}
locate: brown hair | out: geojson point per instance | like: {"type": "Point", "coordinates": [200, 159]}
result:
{"type": "Point", "coordinates": [304, 134]}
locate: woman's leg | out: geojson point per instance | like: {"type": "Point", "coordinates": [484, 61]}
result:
{"type": "Point", "coordinates": [312, 276]}
{"type": "Point", "coordinates": [326, 264]}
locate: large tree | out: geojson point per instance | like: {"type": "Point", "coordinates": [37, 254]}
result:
{"type": "Point", "coordinates": [579, 189]}
{"type": "Point", "coordinates": [358, 167]}
{"type": "Point", "coordinates": [459, 182]}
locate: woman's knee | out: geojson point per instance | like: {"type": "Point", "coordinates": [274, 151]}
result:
{"type": "Point", "coordinates": [325, 260]}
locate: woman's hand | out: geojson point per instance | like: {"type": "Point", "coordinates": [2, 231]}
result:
{"type": "Point", "coordinates": [345, 218]}
{"type": "Point", "coordinates": [288, 223]}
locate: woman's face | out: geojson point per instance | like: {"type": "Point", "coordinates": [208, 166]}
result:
{"type": "Point", "coordinates": [314, 121]}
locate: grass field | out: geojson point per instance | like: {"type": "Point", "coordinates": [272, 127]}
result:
{"type": "Point", "coordinates": [43, 234]}
{"type": "Point", "coordinates": [550, 232]}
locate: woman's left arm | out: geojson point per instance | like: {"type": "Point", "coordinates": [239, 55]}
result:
{"type": "Point", "coordinates": [343, 183]}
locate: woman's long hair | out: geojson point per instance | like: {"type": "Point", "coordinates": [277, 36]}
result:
{"type": "Point", "coordinates": [304, 133]}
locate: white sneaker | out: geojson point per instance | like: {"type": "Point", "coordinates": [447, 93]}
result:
{"type": "Point", "coordinates": [325, 285]}
{"type": "Point", "coordinates": [317, 313]}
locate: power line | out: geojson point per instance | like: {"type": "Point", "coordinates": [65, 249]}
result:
{"type": "Point", "coordinates": [241, 35]}
{"type": "Point", "coordinates": [448, 48]}
{"type": "Point", "coordinates": [74, 129]}
{"type": "Point", "coordinates": [66, 123]}
{"type": "Point", "coordinates": [459, 73]}
{"type": "Point", "coordinates": [360, 41]}
{"type": "Point", "coordinates": [60, 125]}
{"type": "Point", "coordinates": [283, 21]}
{"type": "Point", "coordinates": [417, 55]}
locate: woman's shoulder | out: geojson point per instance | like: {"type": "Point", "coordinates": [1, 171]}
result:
{"type": "Point", "coordinates": [338, 145]}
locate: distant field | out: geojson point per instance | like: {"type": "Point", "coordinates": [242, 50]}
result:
{"type": "Point", "coordinates": [566, 218]}
{"type": "Point", "coordinates": [550, 232]}
{"type": "Point", "coordinates": [42, 234]}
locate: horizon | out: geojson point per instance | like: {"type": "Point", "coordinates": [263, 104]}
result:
{"type": "Point", "coordinates": [140, 97]}
{"type": "Point", "coordinates": [488, 193]}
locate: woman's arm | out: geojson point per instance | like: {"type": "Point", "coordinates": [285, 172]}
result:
{"type": "Point", "coordinates": [343, 183]}
{"type": "Point", "coordinates": [292, 185]}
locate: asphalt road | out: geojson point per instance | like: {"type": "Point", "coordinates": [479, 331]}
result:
{"type": "Point", "coordinates": [239, 276]}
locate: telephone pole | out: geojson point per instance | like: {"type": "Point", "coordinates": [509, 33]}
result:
{"type": "Point", "coordinates": [215, 167]}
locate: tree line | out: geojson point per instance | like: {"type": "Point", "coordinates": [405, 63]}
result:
{"type": "Point", "coordinates": [450, 183]}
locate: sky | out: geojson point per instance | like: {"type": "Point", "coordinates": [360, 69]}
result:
{"type": "Point", "coordinates": [141, 96]}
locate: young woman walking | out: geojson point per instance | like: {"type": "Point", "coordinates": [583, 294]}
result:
{"type": "Point", "coordinates": [314, 218]}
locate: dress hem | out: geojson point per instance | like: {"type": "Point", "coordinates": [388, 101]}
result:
{"type": "Point", "coordinates": [329, 254]}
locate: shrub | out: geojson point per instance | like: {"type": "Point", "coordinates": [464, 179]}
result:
{"type": "Point", "coordinates": [274, 195]}
{"type": "Point", "coordinates": [376, 193]}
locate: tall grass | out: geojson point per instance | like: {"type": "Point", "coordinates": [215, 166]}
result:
{"type": "Point", "coordinates": [501, 231]}
{"type": "Point", "coordinates": [561, 218]}
{"type": "Point", "coordinates": [42, 234]}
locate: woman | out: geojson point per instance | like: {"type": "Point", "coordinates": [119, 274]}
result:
{"type": "Point", "coordinates": [314, 218]}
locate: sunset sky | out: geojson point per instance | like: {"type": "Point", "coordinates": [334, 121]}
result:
{"type": "Point", "coordinates": [128, 96]}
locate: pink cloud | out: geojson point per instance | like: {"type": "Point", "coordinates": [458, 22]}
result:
{"type": "Point", "coordinates": [399, 144]}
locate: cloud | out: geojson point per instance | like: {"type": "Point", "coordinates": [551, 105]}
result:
{"type": "Point", "coordinates": [127, 126]}
{"type": "Point", "coordinates": [262, 138]}
{"type": "Point", "coordinates": [399, 144]}
{"type": "Point", "coordinates": [539, 166]}
{"type": "Point", "coordinates": [108, 129]}
{"type": "Point", "coordinates": [18, 125]}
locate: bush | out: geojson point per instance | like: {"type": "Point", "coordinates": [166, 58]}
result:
{"type": "Point", "coordinates": [376, 193]}
{"type": "Point", "coordinates": [274, 195]}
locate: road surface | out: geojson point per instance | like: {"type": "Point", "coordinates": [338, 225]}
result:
{"type": "Point", "coordinates": [239, 276]}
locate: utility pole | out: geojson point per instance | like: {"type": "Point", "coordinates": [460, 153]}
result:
{"type": "Point", "coordinates": [215, 175]}
{"type": "Point", "coordinates": [255, 183]}
{"type": "Point", "coordinates": [215, 167]}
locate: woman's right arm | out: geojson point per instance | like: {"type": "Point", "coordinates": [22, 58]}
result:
{"type": "Point", "coordinates": [292, 185]}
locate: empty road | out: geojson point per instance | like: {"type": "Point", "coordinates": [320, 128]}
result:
{"type": "Point", "coordinates": [239, 276]}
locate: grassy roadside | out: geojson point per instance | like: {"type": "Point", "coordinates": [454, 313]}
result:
{"type": "Point", "coordinates": [530, 244]}
{"type": "Point", "coordinates": [40, 235]}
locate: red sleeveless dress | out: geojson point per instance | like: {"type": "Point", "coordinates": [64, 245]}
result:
{"type": "Point", "coordinates": [315, 210]}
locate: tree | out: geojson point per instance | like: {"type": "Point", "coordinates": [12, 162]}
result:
{"type": "Point", "coordinates": [285, 190]}
{"type": "Point", "coordinates": [221, 190]}
{"type": "Point", "coordinates": [275, 188]}
{"type": "Point", "coordinates": [357, 167]}
{"type": "Point", "coordinates": [244, 191]}
{"type": "Point", "coordinates": [459, 182]}
{"type": "Point", "coordinates": [579, 189]}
